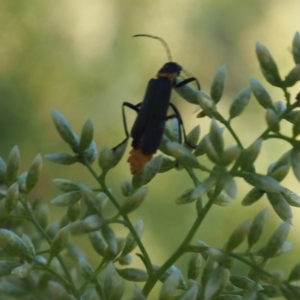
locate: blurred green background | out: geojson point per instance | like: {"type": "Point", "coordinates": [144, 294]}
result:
{"type": "Point", "coordinates": [78, 57]}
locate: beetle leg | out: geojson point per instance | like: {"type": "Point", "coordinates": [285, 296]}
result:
{"type": "Point", "coordinates": [178, 116]}
{"type": "Point", "coordinates": [133, 107]}
{"type": "Point", "coordinates": [188, 80]}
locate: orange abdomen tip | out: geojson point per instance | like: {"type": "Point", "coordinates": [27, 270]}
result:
{"type": "Point", "coordinates": [137, 159]}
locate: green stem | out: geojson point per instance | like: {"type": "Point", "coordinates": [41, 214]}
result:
{"type": "Point", "coordinates": [281, 137]}
{"type": "Point", "coordinates": [287, 96]}
{"type": "Point", "coordinates": [182, 247]}
{"type": "Point", "coordinates": [249, 263]}
{"type": "Point", "coordinates": [47, 238]}
{"type": "Point", "coordinates": [230, 129]}
{"type": "Point", "coordinates": [129, 225]}
{"type": "Point", "coordinates": [191, 173]}
{"type": "Point", "coordinates": [92, 277]}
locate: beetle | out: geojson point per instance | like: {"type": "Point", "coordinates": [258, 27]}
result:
{"type": "Point", "coordinates": [147, 130]}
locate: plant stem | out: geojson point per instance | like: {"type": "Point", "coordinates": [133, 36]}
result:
{"type": "Point", "coordinates": [129, 225]}
{"type": "Point", "coordinates": [182, 247]}
{"type": "Point", "coordinates": [47, 238]}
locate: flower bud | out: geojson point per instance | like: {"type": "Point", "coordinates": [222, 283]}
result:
{"type": "Point", "coordinates": [239, 103]}
{"type": "Point", "coordinates": [281, 207]}
{"type": "Point", "coordinates": [185, 197]}
{"type": "Point", "coordinates": [295, 273]}
{"type": "Point", "coordinates": [125, 260]}
{"type": "Point", "coordinates": [245, 283]}
{"type": "Point", "coordinates": [268, 65]}
{"type": "Point", "coordinates": [193, 136]}
{"type": "Point", "coordinates": [85, 268]}
{"type": "Point", "coordinates": [112, 287]}
{"type": "Point", "coordinates": [2, 170]}
{"type": "Point", "coordinates": [91, 153]}
{"type": "Point", "coordinates": [133, 274]}
{"type": "Point", "coordinates": [238, 236]}
{"type": "Point", "coordinates": [192, 292]}
{"type": "Point", "coordinates": [109, 158]}
{"type": "Point", "coordinates": [170, 285]}
{"type": "Point", "coordinates": [210, 150]}
{"type": "Point", "coordinates": [261, 94]}
{"type": "Point", "coordinates": [148, 172]}
{"type": "Point", "coordinates": [130, 242]}
{"type": "Point", "coordinates": [194, 265]}
{"type": "Point", "coordinates": [262, 182]}
{"type": "Point", "coordinates": [134, 201]}
{"type": "Point", "coordinates": [204, 187]}
{"type": "Point", "coordinates": [126, 188]}
{"type": "Point", "coordinates": [12, 165]}
{"type": "Point", "coordinates": [272, 120]}
{"type": "Point", "coordinates": [279, 107]}
{"type": "Point", "coordinates": [291, 198]}
{"type": "Point", "coordinates": [293, 76]}
{"type": "Point", "coordinates": [22, 271]}
{"type": "Point", "coordinates": [295, 162]}
{"type": "Point", "coordinates": [56, 291]}
{"type": "Point", "coordinates": [29, 245]}
{"type": "Point", "coordinates": [257, 227]}
{"type": "Point", "coordinates": [11, 243]}
{"type": "Point", "coordinates": [137, 293]}
{"type": "Point", "coordinates": [206, 103]}
{"type": "Point", "coordinates": [58, 243]}
{"type": "Point", "coordinates": [12, 197]}
{"type": "Point", "coordinates": [101, 200]}
{"type": "Point", "coordinates": [89, 224]}
{"type": "Point", "coordinates": [296, 48]}
{"type": "Point", "coordinates": [73, 211]}
{"type": "Point", "coordinates": [67, 199]}
{"type": "Point", "coordinates": [110, 239]}
{"type": "Point", "coordinates": [252, 196]}
{"type": "Point", "coordinates": [182, 154]}
{"type": "Point", "coordinates": [34, 173]}
{"type": "Point", "coordinates": [61, 158]}
{"type": "Point", "coordinates": [216, 282]}
{"type": "Point", "coordinates": [250, 154]}
{"type": "Point", "coordinates": [230, 155]}
{"type": "Point", "coordinates": [228, 184]}
{"type": "Point", "coordinates": [222, 199]}
{"type": "Point", "coordinates": [187, 92]}
{"type": "Point", "coordinates": [172, 129]}
{"type": "Point", "coordinates": [296, 126]}
{"type": "Point", "coordinates": [276, 240]}
{"type": "Point", "coordinates": [167, 165]}
{"type": "Point", "coordinates": [90, 199]}
{"type": "Point", "coordinates": [7, 266]}
{"type": "Point", "coordinates": [98, 242]}
{"type": "Point", "coordinates": [218, 84]}
{"type": "Point", "coordinates": [42, 215]}
{"type": "Point", "coordinates": [215, 135]}
{"type": "Point", "coordinates": [86, 137]}
{"type": "Point", "coordinates": [65, 131]}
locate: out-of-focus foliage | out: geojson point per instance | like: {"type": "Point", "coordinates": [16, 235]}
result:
{"type": "Point", "coordinates": [44, 249]}
{"type": "Point", "coordinates": [79, 57]}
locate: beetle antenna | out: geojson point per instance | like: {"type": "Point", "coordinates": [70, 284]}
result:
{"type": "Point", "coordinates": [165, 45]}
